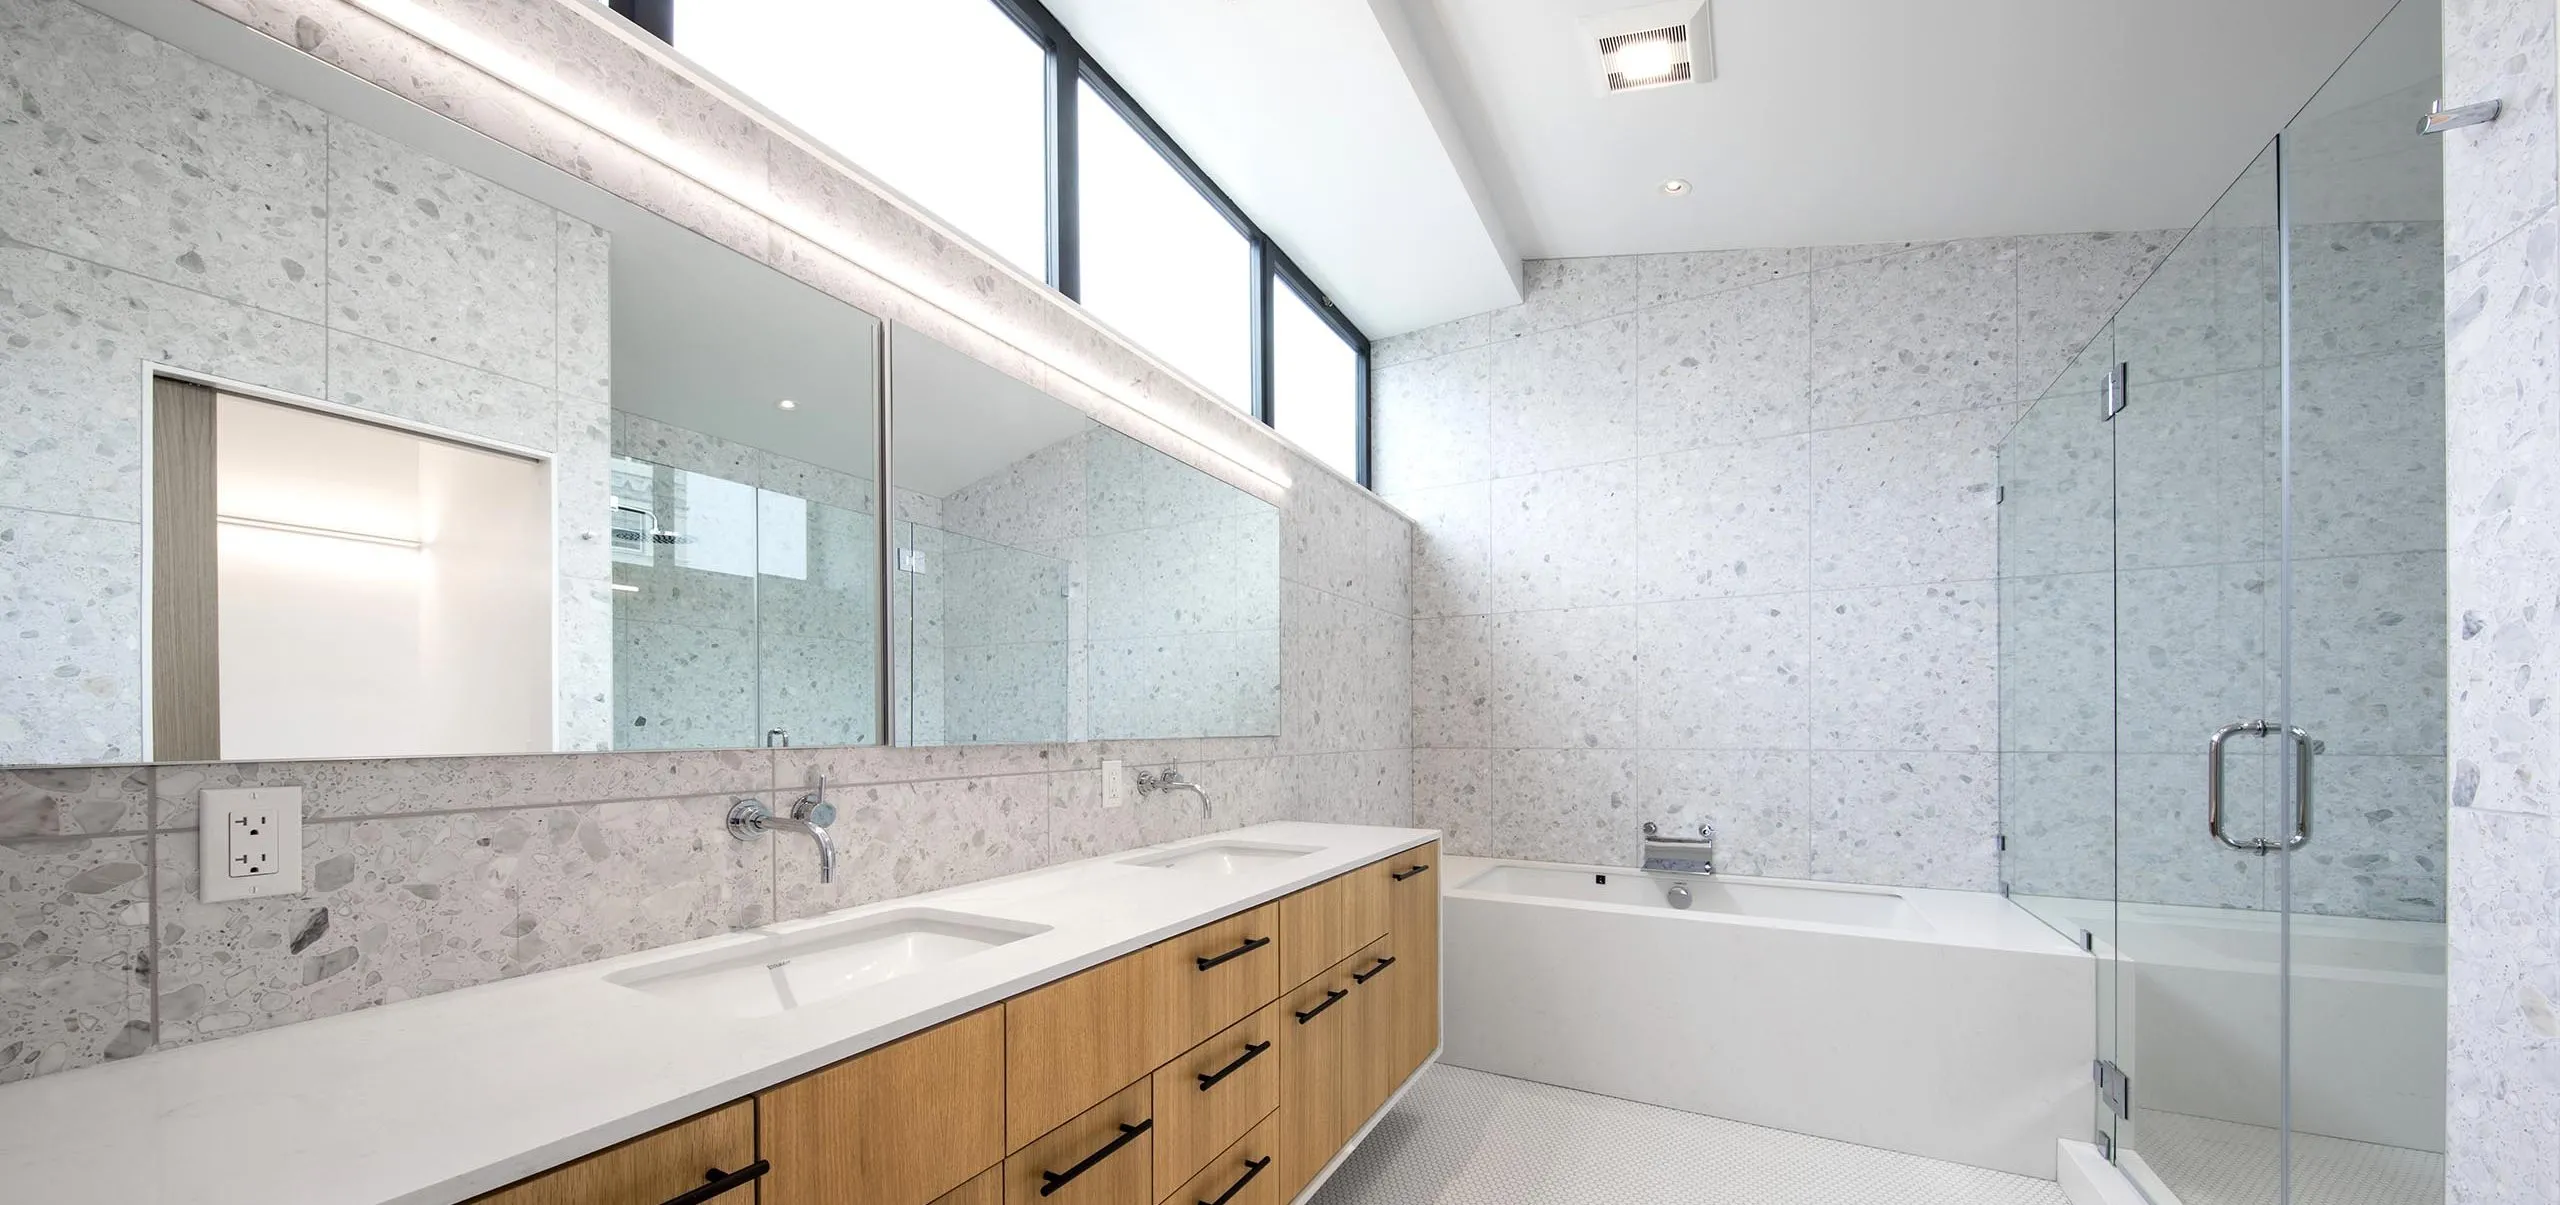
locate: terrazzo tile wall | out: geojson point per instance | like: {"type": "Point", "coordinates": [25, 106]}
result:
{"type": "Point", "coordinates": [1710, 537]}
{"type": "Point", "coordinates": [428, 875]}
{"type": "Point", "coordinates": [163, 209]}
{"type": "Point", "coordinates": [2502, 479]}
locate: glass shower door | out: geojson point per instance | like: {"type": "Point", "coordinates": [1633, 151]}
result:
{"type": "Point", "coordinates": [2199, 952]}
{"type": "Point", "coordinates": [2366, 623]}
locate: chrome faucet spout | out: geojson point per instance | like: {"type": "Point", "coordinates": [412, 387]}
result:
{"type": "Point", "coordinates": [750, 819]}
{"type": "Point", "coordinates": [1171, 779]}
{"type": "Point", "coordinates": [815, 832]}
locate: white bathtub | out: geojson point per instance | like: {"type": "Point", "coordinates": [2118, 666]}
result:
{"type": "Point", "coordinates": [2368, 1016]}
{"type": "Point", "coordinates": [1942, 1023]}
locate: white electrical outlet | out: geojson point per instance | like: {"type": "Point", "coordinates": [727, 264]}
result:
{"type": "Point", "coordinates": [1115, 783]}
{"type": "Point", "coordinates": [249, 842]}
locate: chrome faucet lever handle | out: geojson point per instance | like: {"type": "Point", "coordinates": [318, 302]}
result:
{"type": "Point", "coordinates": [814, 808]}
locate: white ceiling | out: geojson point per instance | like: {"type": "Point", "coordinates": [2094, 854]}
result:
{"type": "Point", "coordinates": [1317, 117]}
{"type": "Point", "coordinates": [1852, 121]}
{"type": "Point", "coordinates": [1391, 144]}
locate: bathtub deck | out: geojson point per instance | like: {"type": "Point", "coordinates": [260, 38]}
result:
{"type": "Point", "coordinates": [1464, 1137]}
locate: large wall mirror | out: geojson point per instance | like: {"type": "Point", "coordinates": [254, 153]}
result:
{"type": "Point", "coordinates": [338, 430]}
{"type": "Point", "coordinates": [1057, 580]}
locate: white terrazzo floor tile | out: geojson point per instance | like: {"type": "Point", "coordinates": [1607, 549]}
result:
{"type": "Point", "coordinates": [1464, 1137]}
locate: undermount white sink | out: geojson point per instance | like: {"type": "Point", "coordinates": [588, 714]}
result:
{"type": "Point", "coordinates": [781, 973]}
{"type": "Point", "coordinates": [1222, 857]}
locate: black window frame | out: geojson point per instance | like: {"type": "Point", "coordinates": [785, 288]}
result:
{"type": "Point", "coordinates": [1271, 267]}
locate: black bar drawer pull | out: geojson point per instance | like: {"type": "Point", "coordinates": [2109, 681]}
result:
{"type": "Point", "coordinates": [717, 1182]}
{"type": "Point", "coordinates": [1252, 1168]}
{"type": "Point", "coordinates": [1373, 972]}
{"type": "Point", "coordinates": [1409, 872]}
{"type": "Point", "coordinates": [1210, 1080]}
{"type": "Point", "coordinates": [1053, 1181]}
{"type": "Point", "coordinates": [1250, 945]}
{"type": "Point", "coordinates": [1329, 999]}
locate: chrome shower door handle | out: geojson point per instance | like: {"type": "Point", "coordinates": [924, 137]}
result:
{"type": "Point", "coordinates": [2301, 790]}
{"type": "Point", "coordinates": [2213, 783]}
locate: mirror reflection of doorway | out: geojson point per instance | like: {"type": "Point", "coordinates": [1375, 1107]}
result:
{"type": "Point", "coordinates": [325, 586]}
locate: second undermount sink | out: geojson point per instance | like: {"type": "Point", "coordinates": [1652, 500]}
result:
{"type": "Point", "coordinates": [1222, 857]}
{"type": "Point", "coordinates": [781, 973]}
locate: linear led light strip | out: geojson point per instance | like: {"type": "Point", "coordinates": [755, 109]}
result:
{"type": "Point", "coordinates": [326, 533]}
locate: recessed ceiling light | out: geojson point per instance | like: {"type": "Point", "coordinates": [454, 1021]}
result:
{"type": "Point", "coordinates": [1675, 187]}
{"type": "Point", "coordinates": [787, 404]}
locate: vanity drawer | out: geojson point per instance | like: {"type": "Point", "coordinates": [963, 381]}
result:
{"type": "Point", "coordinates": [1194, 1121]}
{"type": "Point", "coordinates": [1075, 1042]}
{"type": "Point", "coordinates": [654, 1167]}
{"type": "Point", "coordinates": [1247, 1173]}
{"type": "Point", "coordinates": [1106, 1156]}
{"type": "Point", "coordinates": [1212, 977]}
{"type": "Point", "coordinates": [900, 1125]}
{"type": "Point", "coordinates": [1330, 921]}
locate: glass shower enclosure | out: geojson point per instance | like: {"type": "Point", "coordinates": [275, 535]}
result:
{"type": "Point", "coordinates": [2222, 537]}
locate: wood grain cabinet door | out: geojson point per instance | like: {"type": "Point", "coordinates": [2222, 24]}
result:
{"type": "Point", "coordinates": [654, 1167]}
{"type": "Point", "coordinates": [1103, 1156]}
{"type": "Point", "coordinates": [1314, 1027]}
{"type": "Point", "coordinates": [985, 1188]}
{"type": "Point", "coordinates": [1326, 923]}
{"type": "Point", "coordinates": [1413, 916]}
{"type": "Point", "coordinates": [1369, 1071]}
{"type": "Point", "coordinates": [900, 1125]}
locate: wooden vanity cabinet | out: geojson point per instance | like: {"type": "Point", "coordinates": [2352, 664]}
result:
{"type": "Point", "coordinates": [654, 1167]}
{"type": "Point", "coordinates": [1227, 1063]}
{"type": "Point", "coordinates": [900, 1125]}
{"type": "Point", "coordinates": [1413, 920]}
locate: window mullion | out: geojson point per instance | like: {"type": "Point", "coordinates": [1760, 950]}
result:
{"type": "Point", "coordinates": [1066, 243]}
{"type": "Point", "coordinates": [1265, 406]}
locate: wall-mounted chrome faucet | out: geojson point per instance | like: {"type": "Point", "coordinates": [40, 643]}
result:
{"type": "Point", "coordinates": [1680, 855]}
{"type": "Point", "coordinates": [1171, 779]}
{"type": "Point", "coordinates": [750, 819]}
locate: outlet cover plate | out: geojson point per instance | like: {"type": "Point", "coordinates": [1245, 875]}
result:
{"type": "Point", "coordinates": [249, 842]}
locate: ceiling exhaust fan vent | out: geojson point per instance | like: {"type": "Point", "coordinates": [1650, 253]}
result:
{"type": "Point", "coordinates": [1651, 47]}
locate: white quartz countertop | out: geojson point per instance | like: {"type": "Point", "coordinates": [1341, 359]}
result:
{"type": "Point", "coordinates": [436, 1100]}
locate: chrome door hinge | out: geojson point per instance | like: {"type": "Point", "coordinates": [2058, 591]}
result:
{"type": "Point", "coordinates": [1999, 494]}
{"type": "Point", "coordinates": [2114, 1087]}
{"type": "Point", "coordinates": [2000, 841]}
{"type": "Point", "coordinates": [2106, 1146]}
{"type": "Point", "coordinates": [2113, 402]}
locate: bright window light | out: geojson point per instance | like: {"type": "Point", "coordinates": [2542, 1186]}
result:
{"type": "Point", "coordinates": [958, 127]}
{"type": "Point", "coordinates": [1159, 262]}
{"type": "Point", "coordinates": [1315, 382]}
